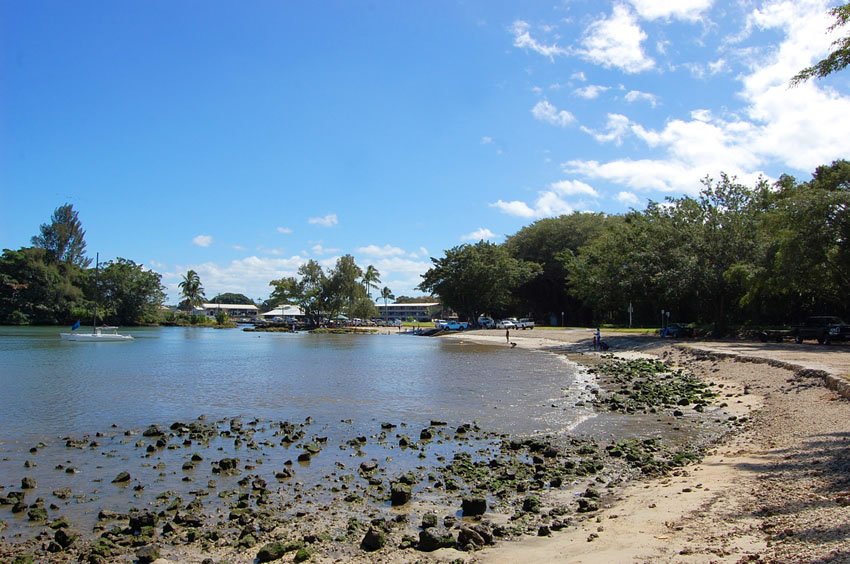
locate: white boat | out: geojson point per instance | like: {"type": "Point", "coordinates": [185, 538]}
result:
{"type": "Point", "coordinates": [98, 335]}
{"type": "Point", "coordinates": [102, 334]}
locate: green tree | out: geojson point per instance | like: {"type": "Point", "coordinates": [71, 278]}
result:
{"type": "Point", "coordinates": [313, 293]}
{"type": "Point", "coordinates": [343, 284]}
{"type": "Point", "coordinates": [129, 293]}
{"type": "Point", "coordinates": [35, 290]}
{"type": "Point", "coordinates": [840, 55]}
{"type": "Point", "coordinates": [805, 265]}
{"type": "Point", "coordinates": [386, 295]}
{"type": "Point", "coordinates": [64, 238]}
{"type": "Point", "coordinates": [371, 279]}
{"type": "Point", "coordinates": [230, 298]}
{"type": "Point", "coordinates": [191, 290]}
{"type": "Point", "coordinates": [543, 242]}
{"type": "Point", "coordinates": [471, 279]}
{"type": "Point", "coordinates": [286, 291]}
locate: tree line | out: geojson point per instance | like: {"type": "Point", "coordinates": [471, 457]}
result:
{"type": "Point", "coordinates": [53, 281]}
{"type": "Point", "coordinates": [732, 255]}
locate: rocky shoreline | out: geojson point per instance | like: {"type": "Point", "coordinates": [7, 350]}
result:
{"type": "Point", "coordinates": [235, 490]}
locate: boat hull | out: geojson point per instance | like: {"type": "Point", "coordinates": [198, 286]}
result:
{"type": "Point", "coordinates": [95, 337]}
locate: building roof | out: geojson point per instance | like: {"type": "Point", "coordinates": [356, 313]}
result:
{"type": "Point", "coordinates": [412, 304]}
{"type": "Point", "coordinates": [230, 306]}
{"type": "Point", "coordinates": [284, 311]}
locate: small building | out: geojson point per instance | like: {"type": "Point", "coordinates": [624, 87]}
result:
{"type": "Point", "coordinates": [417, 311]}
{"type": "Point", "coordinates": [234, 311]}
{"type": "Point", "coordinates": [283, 311]}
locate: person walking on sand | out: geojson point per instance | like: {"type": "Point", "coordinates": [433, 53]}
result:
{"type": "Point", "coordinates": [507, 335]}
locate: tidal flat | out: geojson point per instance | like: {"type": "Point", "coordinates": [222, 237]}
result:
{"type": "Point", "coordinates": [243, 488]}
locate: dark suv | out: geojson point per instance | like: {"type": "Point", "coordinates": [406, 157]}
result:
{"type": "Point", "coordinates": [824, 328]}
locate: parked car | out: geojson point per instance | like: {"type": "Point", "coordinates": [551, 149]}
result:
{"type": "Point", "coordinates": [824, 328]}
{"type": "Point", "coordinates": [505, 324]}
{"type": "Point", "coordinates": [525, 323]}
{"type": "Point", "coordinates": [486, 322]}
{"type": "Point", "coordinates": [456, 326]}
{"type": "Point", "coordinates": [677, 331]}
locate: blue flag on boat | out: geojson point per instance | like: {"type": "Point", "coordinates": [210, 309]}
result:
{"type": "Point", "coordinates": [76, 325]}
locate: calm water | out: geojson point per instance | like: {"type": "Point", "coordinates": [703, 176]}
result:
{"type": "Point", "coordinates": [52, 388]}
{"type": "Point", "coordinates": [106, 393]}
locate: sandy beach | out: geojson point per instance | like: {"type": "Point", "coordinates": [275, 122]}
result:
{"type": "Point", "coordinates": [778, 490]}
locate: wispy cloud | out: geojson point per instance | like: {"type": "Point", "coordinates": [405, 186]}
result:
{"type": "Point", "coordinates": [319, 249]}
{"type": "Point", "coordinates": [633, 96]}
{"type": "Point", "coordinates": [478, 235]}
{"type": "Point", "coordinates": [590, 92]}
{"type": "Point", "coordinates": [384, 251]}
{"type": "Point", "coordinates": [690, 10]}
{"type": "Point", "coordinates": [544, 111]}
{"type": "Point", "coordinates": [524, 40]}
{"type": "Point", "coordinates": [202, 240]}
{"type": "Point", "coordinates": [325, 221]}
{"type": "Point", "coordinates": [284, 230]}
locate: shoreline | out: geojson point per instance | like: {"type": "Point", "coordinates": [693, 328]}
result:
{"type": "Point", "coordinates": [744, 501]}
{"type": "Point", "coordinates": [701, 512]}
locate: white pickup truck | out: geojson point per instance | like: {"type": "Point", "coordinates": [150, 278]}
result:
{"type": "Point", "coordinates": [524, 323]}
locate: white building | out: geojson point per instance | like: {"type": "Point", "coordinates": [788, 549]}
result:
{"type": "Point", "coordinates": [284, 311]}
{"type": "Point", "coordinates": [417, 311]}
{"type": "Point", "coordinates": [232, 310]}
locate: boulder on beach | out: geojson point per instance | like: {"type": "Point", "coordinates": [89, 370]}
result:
{"type": "Point", "coordinates": [435, 538]}
{"type": "Point", "coordinates": [373, 540]}
{"type": "Point", "coordinates": [400, 494]}
{"type": "Point", "coordinates": [472, 506]}
{"type": "Point", "coordinates": [121, 478]}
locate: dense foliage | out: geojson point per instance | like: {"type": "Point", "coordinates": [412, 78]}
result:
{"type": "Point", "coordinates": [732, 255]}
{"type": "Point", "coordinates": [326, 295]}
{"type": "Point", "coordinates": [52, 282]}
{"type": "Point", "coordinates": [479, 278]}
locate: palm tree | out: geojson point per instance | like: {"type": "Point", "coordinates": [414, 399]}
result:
{"type": "Point", "coordinates": [192, 290]}
{"type": "Point", "coordinates": [386, 294]}
{"type": "Point", "coordinates": [371, 279]}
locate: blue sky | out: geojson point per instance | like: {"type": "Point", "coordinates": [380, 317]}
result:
{"type": "Point", "coordinates": [241, 139]}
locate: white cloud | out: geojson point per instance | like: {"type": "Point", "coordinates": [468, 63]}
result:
{"type": "Point", "coordinates": [319, 249]}
{"type": "Point", "coordinates": [636, 95]}
{"type": "Point", "coordinates": [515, 208]}
{"type": "Point", "coordinates": [326, 221]}
{"type": "Point", "coordinates": [523, 40]}
{"type": "Point", "coordinates": [385, 251]}
{"type": "Point", "coordinates": [573, 188]}
{"type": "Point", "coordinates": [486, 140]}
{"type": "Point", "coordinates": [551, 202]}
{"type": "Point", "coordinates": [628, 198]}
{"type": "Point", "coordinates": [478, 235]}
{"type": "Point", "coordinates": [617, 127]}
{"type": "Point", "coordinates": [202, 240]}
{"type": "Point", "coordinates": [690, 10]}
{"type": "Point", "coordinates": [580, 76]}
{"type": "Point", "coordinates": [284, 230]}
{"type": "Point", "coordinates": [590, 92]}
{"type": "Point", "coordinates": [616, 42]}
{"type": "Point", "coordinates": [546, 112]}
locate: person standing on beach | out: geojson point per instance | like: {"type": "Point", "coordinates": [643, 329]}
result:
{"type": "Point", "coordinates": [507, 335]}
